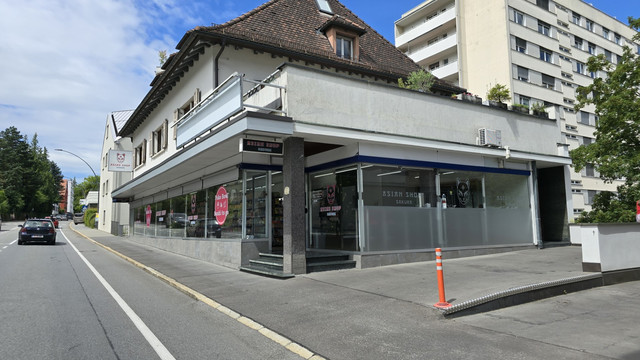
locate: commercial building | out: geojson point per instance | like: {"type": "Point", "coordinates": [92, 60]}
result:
{"type": "Point", "coordinates": [538, 48]}
{"type": "Point", "coordinates": [283, 131]}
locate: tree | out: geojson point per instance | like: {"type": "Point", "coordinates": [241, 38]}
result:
{"type": "Point", "coordinates": [420, 80]}
{"type": "Point", "coordinates": [80, 190]}
{"type": "Point", "coordinates": [29, 181]}
{"type": "Point", "coordinates": [616, 151]}
{"type": "Point", "coordinates": [498, 93]}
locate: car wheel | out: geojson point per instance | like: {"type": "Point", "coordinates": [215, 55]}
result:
{"type": "Point", "coordinates": [52, 242]}
{"type": "Point", "coordinates": [20, 242]}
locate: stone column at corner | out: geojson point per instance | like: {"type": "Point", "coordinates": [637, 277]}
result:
{"type": "Point", "coordinates": [294, 247]}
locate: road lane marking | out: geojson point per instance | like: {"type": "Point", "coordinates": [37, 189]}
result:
{"type": "Point", "coordinates": [155, 343]}
{"type": "Point", "coordinates": [264, 331]}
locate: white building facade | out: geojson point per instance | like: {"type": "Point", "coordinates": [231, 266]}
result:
{"type": "Point", "coordinates": [538, 48]}
{"type": "Point", "coordinates": [245, 147]}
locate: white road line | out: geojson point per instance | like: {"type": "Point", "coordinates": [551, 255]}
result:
{"type": "Point", "coordinates": [13, 242]}
{"type": "Point", "coordinates": [155, 343]}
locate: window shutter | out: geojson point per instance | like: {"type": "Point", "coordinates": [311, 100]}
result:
{"type": "Point", "coordinates": [164, 133]}
{"type": "Point", "coordinates": [176, 116]}
{"type": "Point", "coordinates": [196, 97]}
{"type": "Point", "coordinates": [144, 151]}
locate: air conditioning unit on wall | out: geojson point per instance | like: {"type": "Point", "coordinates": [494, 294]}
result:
{"type": "Point", "coordinates": [489, 137]}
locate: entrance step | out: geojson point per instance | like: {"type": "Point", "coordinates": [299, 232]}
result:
{"type": "Point", "coordinates": [272, 264]}
{"type": "Point", "coordinates": [326, 262]}
{"type": "Point", "coordinates": [267, 265]}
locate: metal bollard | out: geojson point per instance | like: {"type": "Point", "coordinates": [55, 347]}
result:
{"type": "Point", "coordinates": [443, 301]}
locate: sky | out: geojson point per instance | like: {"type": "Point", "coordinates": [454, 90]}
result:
{"type": "Point", "coordinates": [66, 64]}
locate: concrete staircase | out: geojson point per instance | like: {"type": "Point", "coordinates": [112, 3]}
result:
{"type": "Point", "coordinates": [272, 264]}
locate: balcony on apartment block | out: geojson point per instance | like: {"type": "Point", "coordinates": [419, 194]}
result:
{"type": "Point", "coordinates": [448, 17]}
{"type": "Point", "coordinates": [447, 72]}
{"type": "Point", "coordinates": [430, 51]}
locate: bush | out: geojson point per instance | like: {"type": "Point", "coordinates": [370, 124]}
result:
{"type": "Point", "coordinates": [498, 93]}
{"type": "Point", "coordinates": [90, 218]}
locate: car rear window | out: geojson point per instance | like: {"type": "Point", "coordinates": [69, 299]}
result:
{"type": "Point", "coordinates": [43, 223]}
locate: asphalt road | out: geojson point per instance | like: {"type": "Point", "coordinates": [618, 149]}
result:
{"type": "Point", "coordinates": [53, 306]}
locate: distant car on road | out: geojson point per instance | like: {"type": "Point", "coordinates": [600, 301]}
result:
{"type": "Point", "coordinates": [78, 218]}
{"type": "Point", "coordinates": [37, 230]}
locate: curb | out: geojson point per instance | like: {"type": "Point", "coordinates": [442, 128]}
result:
{"type": "Point", "coordinates": [248, 322]}
{"type": "Point", "coordinates": [524, 294]}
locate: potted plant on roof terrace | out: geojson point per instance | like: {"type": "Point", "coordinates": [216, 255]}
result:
{"type": "Point", "coordinates": [539, 110]}
{"type": "Point", "coordinates": [497, 94]}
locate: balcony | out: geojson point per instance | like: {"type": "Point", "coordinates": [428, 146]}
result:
{"type": "Point", "coordinates": [444, 72]}
{"type": "Point", "coordinates": [226, 101]}
{"type": "Point", "coordinates": [430, 51]}
{"type": "Point", "coordinates": [446, 17]}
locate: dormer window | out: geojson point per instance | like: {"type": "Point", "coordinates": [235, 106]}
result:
{"type": "Point", "coordinates": [344, 47]}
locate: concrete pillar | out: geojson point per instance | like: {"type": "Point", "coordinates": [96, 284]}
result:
{"type": "Point", "coordinates": [293, 204]}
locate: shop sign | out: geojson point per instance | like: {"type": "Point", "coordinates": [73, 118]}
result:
{"type": "Point", "coordinates": [221, 205]}
{"type": "Point", "coordinates": [148, 215]}
{"type": "Point", "coordinates": [262, 147]}
{"type": "Point", "coordinates": [120, 160]}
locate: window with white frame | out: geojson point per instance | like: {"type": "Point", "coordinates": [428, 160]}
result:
{"type": "Point", "coordinates": [605, 33]}
{"type": "Point", "coordinates": [592, 48]}
{"type": "Point", "coordinates": [141, 153]}
{"type": "Point", "coordinates": [589, 25]}
{"type": "Point", "coordinates": [578, 42]}
{"type": "Point", "coordinates": [159, 138]}
{"type": "Point", "coordinates": [434, 66]}
{"type": "Point", "coordinates": [521, 45]}
{"type": "Point", "coordinates": [576, 18]}
{"type": "Point", "coordinates": [518, 17]}
{"type": "Point", "coordinates": [617, 38]}
{"type": "Point", "coordinates": [344, 47]}
{"type": "Point", "coordinates": [544, 28]}
{"type": "Point", "coordinates": [523, 74]}
{"type": "Point", "coordinates": [543, 4]}
{"type": "Point", "coordinates": [579, 67]}
{"type": "Point", "coordinates": [548, 81]}
{"type": "Point", "coordinates": [524, 100]}
{"type": "Point", "coordinates": [546, 55]}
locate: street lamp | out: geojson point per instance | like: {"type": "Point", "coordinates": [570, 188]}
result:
{"type": "Point", "coordinates": [94, 173]}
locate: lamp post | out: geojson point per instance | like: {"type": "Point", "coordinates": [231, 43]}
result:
{"type": "Point", "coordinates": [94, 173]}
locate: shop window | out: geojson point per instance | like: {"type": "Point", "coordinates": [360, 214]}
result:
{"type": "Point", "coordinates": [256, 197]}
{"type": "Point", "coordinates": [197, 222]}
{"type": "Point", "coordinates": [232, 225]}
{"type": "Point", "coordinates": [334, 209]}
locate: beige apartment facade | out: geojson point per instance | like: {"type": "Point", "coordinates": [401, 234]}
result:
{"type": "Point", "coordinates": [538, 48]}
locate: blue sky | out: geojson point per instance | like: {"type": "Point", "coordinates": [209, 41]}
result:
{"type": "Point", "coordinates": [66, 64]}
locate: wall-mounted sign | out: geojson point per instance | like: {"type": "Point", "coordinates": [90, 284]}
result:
{"type": "Point", "coordinates": [120, 160]}
{"type": "Point", "coordinates": [260, 146]}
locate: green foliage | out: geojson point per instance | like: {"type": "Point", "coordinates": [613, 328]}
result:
{"type": "Point", "coordinates": [90, 218]}
{"type": "Point", "coordinates": [520, 106]}
{"type": "Point", "coordinates": [498, 93]}
{"type": "Point", "coordinates": [80, 191]}
{"type": "Point", "coordinates": [162, 56]}
{"type": "Point", "coordinates": [29, 181]}
{"type": "Point", "coordinates": [420, 80]}
{"type": "Point", "coordinates": [611, 207]}
{"type": "Point", "coordinates": [539, 107]}
{"type": "Point", "coordinates": [616, 151]}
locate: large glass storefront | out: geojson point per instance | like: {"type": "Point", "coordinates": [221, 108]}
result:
{"type": "Point", "coordinates": [417, 208]}
{"type": "Point", "coordinates": [360, 207]}
{"type": "Point", "coordinates": [239, 209]}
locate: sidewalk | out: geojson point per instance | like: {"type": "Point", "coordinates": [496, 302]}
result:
{"type": "Point", "coordinates": [380, 307]}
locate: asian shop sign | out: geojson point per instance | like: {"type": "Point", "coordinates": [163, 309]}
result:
{"type": "Point", "coordinates": [120, 160]}
{"type": "Point", "coordinates": [260, 146]}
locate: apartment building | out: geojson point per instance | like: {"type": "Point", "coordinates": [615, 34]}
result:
{"type": "Point", "coordinates": [538, 48]}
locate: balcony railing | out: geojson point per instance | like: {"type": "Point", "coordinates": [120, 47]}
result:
{"type": "Point", "coordinates": [226, 101]}
{"type": "Point", "coordinates": [427, 26]}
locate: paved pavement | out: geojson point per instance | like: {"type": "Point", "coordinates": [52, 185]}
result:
{"type": "Point", "coordinates": [378, 313]}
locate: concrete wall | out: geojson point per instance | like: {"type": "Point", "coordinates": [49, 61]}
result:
{"type": "Point", "coordinates": [230, 252]}
{"type": "Point", "coordinates": [608, 247]}
{"type": "Point", "coordinates": [339, 102]}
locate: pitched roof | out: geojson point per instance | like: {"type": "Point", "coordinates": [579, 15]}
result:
{"type": "Point", "coordinates": [295, 25]}
{"type": "Point", "coordinates": [291, 28]}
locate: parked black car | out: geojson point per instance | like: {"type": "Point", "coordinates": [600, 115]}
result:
{"type": "Point", "coordinates": [37, 230]}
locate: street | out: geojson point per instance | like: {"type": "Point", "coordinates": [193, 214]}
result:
{"type": "Point", "coordinates": [54, 307]}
